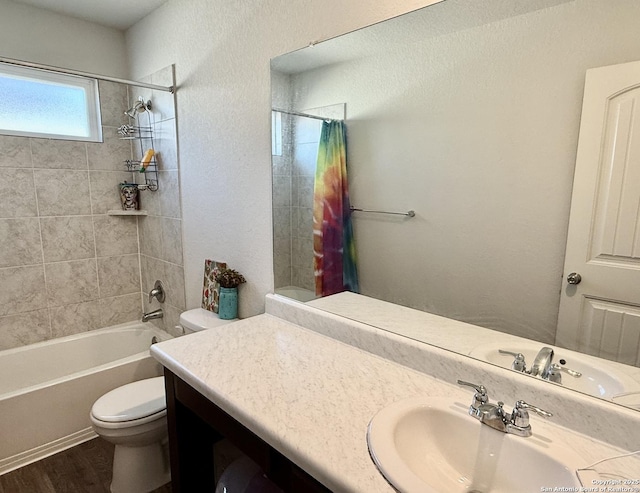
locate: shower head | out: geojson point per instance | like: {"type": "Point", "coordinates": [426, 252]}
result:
{"type": "Point", "coordinates": [139, 107]}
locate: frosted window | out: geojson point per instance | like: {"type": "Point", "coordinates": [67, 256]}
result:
{"type": "Point", "coordinates": [46, 104]}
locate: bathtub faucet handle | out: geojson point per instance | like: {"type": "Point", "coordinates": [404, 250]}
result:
{"type": "Point", "coordinates": [157, 292]}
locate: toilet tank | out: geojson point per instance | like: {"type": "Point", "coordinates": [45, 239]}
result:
{"type": "Point", "coordinates": [200, 319]}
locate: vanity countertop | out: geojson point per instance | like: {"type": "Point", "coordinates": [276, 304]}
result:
{"type": "Point", "coordinates": [435, 329]}
{"type": "Point", "coordinates": [311, 397]}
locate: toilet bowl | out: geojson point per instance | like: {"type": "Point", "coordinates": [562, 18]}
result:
{"type": "Point", "coordinates": [134, 418]}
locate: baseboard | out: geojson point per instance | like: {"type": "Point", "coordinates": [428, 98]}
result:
{"type": "Point", "coordinates": [35, 454]}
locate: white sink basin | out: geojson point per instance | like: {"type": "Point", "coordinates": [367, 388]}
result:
{"type": "Point", "coordinates": [423, 445]}
{"type": "Point", "coordinates": [599, 377]}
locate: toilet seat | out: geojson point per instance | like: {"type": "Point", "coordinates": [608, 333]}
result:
{"type": "Point", "coordinates": [133, 404]}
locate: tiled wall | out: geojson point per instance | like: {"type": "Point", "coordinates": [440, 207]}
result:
{"type": "Point", "coordinates": [305, 154]}
{"type": "Point", "coordinates": [161, 231]}
{"type": "Point", "coordinates": [282, 208]}
{"type": "Point", "coordinates": [294, 173]}
{"type": "Point", "coordinates": [66, 266]}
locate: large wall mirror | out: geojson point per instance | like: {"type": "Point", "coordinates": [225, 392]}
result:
{"type": "Point", "coordinates": [469, 114]}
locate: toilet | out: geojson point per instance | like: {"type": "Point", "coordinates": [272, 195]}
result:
{"type": "Point", "coordinates": [200, 319]}
{"type": "Point", "coordinates": [134, 418]}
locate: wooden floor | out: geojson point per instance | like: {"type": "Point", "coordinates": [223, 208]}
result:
{"type": "Point", "coordinates": [85, 468]}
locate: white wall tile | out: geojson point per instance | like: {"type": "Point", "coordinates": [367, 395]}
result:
{"type": "Point", "coordinates": [105, 191]}
{"type": "Point", "coordinates": [119, 275]}
{"type": "Point", "coordinates": [110, 154]}
{"type": "Point", "coordinates": [115, 235]}
{"type": "Point", "coordinates": [58, 154]}
{"type": "Point", "coordinates": [15, 152]}
{"type": "Point", "coordinates": [62, 192]}
{"type": "Point", "coordinates": [67, 238]}
{"type": "Point", "coordinates": [71, 282]}
{"type": "Point", "coordinates": [120, 309]}
{"type": "Point", "coordinates": [17, 193]}
{"type": "Point", "coordinates": [75, 318]}
{"type": "Point", "coordinates": [20, 242]}
{"type": "Point", "coordinates": [24, 328]}
{"type": "Point", "coordinates": [21, 289]}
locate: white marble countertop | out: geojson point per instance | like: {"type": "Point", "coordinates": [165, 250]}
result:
{"type": "Point", "coordinates": [311, 397]}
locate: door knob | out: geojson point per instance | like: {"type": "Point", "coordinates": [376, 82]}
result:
{"type": "Point", "coordinates": [574, 278]}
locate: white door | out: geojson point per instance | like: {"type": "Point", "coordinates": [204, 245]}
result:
{"type": "Point", "coordinates": [601, 314]}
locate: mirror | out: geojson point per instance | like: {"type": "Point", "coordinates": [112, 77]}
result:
{"type": "Point", "coordinates": [467, 113]}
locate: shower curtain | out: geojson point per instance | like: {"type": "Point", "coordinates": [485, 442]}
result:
{"type": "Point", "coordinates": [334, 251]}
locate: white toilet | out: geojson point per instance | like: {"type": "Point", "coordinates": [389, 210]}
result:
{"type": "Point", "coordinates": [134, 418]}
{"type": "Point", "coordinates": [200, 319]}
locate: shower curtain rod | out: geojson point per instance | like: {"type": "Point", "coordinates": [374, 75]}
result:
{"type": "Point", "coordinates": [306, 115]}
{"type": "Point", "coordinates": [51, 68]}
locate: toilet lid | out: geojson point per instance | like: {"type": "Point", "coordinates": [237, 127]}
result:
{"type": "Point", "coordinates": [132, 401]}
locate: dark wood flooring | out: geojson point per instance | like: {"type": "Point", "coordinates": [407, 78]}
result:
{"type": "Point", "coordinates": [85, 468]}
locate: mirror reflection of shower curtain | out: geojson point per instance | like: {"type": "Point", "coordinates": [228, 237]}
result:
{"type": "Point", "coordinates": [334, 252]}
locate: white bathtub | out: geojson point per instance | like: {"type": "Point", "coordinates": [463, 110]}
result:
{"type": "Point", "coordinates": [47, 389]}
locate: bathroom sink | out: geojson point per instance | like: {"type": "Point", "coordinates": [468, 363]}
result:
{"type": "Point", "coordinates": [599, 377]}
{"type": "Point", "coordinates": [423, 445]}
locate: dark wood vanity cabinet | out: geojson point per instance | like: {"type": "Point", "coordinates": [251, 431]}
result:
{"type": "Point", "coordinates": [196, 424]}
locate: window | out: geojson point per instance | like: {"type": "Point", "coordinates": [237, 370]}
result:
{"type": "Point", "coordinates": [39, 103]}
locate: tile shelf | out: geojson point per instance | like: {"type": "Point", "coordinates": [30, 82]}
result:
{"type": "Point", "coordinates": [121, 212]}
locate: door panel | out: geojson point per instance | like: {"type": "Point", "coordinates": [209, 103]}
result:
{"type": "Point", "coordinates": [610, 330]}
{"type": "Point", "coordinates": [601, 314]}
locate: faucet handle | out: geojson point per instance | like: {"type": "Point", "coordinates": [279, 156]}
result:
{"type": "Point", "coordinates": [555, 373]}
{"type": "Point", "coordinates": [157, 292]}
{"type": "Point", "coordinates": [518, 363]}
{"type": "Point", "coordinates": [480, 397]}
{"type": "Point", "coordinates": [520, 414]}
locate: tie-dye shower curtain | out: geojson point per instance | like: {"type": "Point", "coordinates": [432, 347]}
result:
{"type": "Point", "coordinates": [333, 246]}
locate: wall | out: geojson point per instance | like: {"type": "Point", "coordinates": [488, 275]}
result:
{"type": "Point", "coordinates": [476, 131]}
{"type": "Point", "coordinates": [293, 176]}
{"type": "Point", "coordinates": [306, 137]}
{"type": "Point", "coordinates": [65, 265]}
{"type": "Point", "coordinates": [222, 52]}
{"type": "Point", "coordinates": [37, 35]}
{"type": "Point", "coordinates": [282, 208]}
{"type": "Point", "coordinates": [161, 231]}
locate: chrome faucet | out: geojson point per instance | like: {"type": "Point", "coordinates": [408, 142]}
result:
{"type": "Point", "coordinates": [494, 415]}
{"type": "Point", "coordinates": [543, 365]}
{"type": "Point", "coordinates": [152, 315]}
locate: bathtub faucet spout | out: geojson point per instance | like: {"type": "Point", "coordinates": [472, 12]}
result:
{"type": "Point", "coordinates": [152, 315]}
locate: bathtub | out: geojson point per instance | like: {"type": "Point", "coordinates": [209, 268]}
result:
{"type": "Point", "coordinates": [47, 389]}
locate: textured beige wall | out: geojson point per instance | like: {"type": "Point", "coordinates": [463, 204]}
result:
{"type": "Point", "coordinates": [37, 35]}
{"type": "Point", "coordinates": [222, 50]}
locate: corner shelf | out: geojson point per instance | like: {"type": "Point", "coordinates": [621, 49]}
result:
{"type": "Point", "coordinates": [120, 212]}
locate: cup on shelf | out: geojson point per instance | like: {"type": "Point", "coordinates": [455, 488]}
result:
{"type": "Point", "coordinates": [129, 196]}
